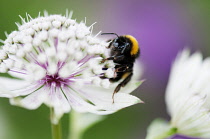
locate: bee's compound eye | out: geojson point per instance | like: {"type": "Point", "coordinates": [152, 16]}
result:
{"type": "Point", "coordinates": [116, 44]}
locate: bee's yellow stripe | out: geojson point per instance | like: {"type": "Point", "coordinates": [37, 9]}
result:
{"type": "Point", "coordinates": [135, 46]}
{"type": "Point", "coordinates": [125, 75]}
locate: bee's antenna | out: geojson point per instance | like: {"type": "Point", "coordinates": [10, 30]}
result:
{"type": "Point", "coordinates": [110, 33]}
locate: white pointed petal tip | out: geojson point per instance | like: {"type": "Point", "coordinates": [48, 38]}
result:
{"type": "Point", "coordinates": [129, 100]}
{"type": "Point", "coordinates": [121, 100]}
{"type": "Point", "coordinates": [102, 98]}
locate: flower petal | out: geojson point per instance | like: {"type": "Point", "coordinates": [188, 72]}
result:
{"type": "Point", "coordinates": [7, 85]}
{"type": "Point", "coordinates": [32, 101]}
{"type": "Point", "coordinates": [58, 102]}
{"type": "Point", "coordinates": [131, 86]}
{"type": "Point", "coordinates": [103, 99]}
{"type": "Point", "coordinates": [188, 95]}
{"type": "Point", "coordinates": [190, 75]}
{"type": "Point", "coordinates": [190, 117]}
{"type": "Point", "coordinates": [78, 103]}
{"type": "Point", "coordinates": [18, 74]}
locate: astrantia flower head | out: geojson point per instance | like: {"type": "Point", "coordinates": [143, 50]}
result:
{"type": "Point", "coordinates": [57, 61]}
{"type": "Point", "coordinates": [188, 94]}
{"type": "Point", "coordinates": [187, 98]}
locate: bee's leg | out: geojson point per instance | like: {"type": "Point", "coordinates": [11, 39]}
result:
{"type": "Point", "coordinates": [123, 68]}
{"type": "Point", "coordinates": [115, 58]}
{"type": "Point", "coordinates": [117, 78]}
{"type": "Point", "coordinates": [103, 76]}
{"type": "Point", "coordinates": [122, 84]}
{"type": "Point", "coordinates": [110, 42]}
{"type": "Point", "coordinates": [109, 58]}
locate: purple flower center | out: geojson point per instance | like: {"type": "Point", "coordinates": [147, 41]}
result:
{"type": "Point", "coordinates": [55, 80]}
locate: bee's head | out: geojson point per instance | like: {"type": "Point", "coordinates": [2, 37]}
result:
{"type": "Point", "coordinates": [120, 43]}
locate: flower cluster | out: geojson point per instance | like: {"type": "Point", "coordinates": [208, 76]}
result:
{"type": "Point", "coordinates": [56, 61]}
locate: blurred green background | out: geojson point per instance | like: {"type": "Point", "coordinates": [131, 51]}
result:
{"type": "Point", "coordinates": [162, 28]}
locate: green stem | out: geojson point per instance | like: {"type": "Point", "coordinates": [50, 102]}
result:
{"type": "Point", "coordinates": [56, 128]}
{"type": "Point", "coordinates": [74, 127]}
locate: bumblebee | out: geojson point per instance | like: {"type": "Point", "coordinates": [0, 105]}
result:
{"type": "Point", "coordinates": [123, 51]}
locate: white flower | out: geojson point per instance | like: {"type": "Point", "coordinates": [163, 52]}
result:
{"type": "Point", "coordinates": [188, 95]}
{"type": "Point", "coordinates": [57, 61]}
{"type": "Point", "coordinates": [187, 99]}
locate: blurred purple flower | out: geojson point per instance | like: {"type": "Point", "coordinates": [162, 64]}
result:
{"type": "Point", "coordinates": [159, 27]}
